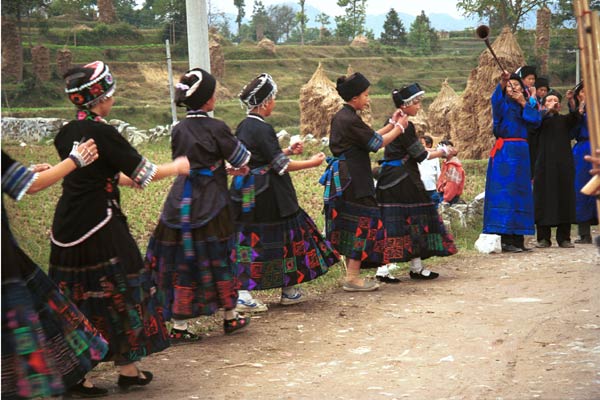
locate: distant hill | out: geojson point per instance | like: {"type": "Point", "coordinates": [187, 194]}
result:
{"type": "Point", "coordinates": [440, 22]}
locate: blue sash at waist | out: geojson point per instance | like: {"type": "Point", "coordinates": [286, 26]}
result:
{"type": "Point", "coordinates": [331, 179]}
{"type": "Point", "coordinates": [245, 184]}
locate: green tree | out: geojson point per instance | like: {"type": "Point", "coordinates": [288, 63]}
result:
{"type": "Point", "coordinates": [260, 19]}
{"type": "Point", "coordinates": [393, 33]}
{"type": "Point", "coordinates": [302, 20]}
{"type": "Point", "coordinates": [281, 21]}
{"type": "Point", "coordinates": [353, 22]}
{"type": "Point", "coordinates": [500, 12]}
{"type": "Point", "coordinates": [422, 37]}
{"type": "Point", "coordinates": [239, 4]}
{"type": "Point", "coordinates": [563, 13]}
{"type": "Point", "coordinates": [324, 20]}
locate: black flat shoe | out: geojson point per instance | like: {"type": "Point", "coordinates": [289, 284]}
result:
{"type": "Point", "coordinates": [83, 392]}
{"type": "Point", "coordinates": [387, 278]}
{"type": "Point", "coordinates": [125, 382]}
{"type": "Point", "coordinates": [543, 244]}
{"type": "Point", "coordinates": [420, 276]}
{"type": "Point", "coordinates": [509, 248]}
{"type": "Point", "coordinates": [584, 240]}
{"type": "Point", "coordinates": [233, 325]}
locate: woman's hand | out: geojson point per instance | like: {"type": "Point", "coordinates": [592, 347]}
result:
{"type": "Point", "coordinates": [39, 167]}
{"type": "Point", "coordinates": [318, 158]}
{"type": "Point", "coordinates": [242, 171]}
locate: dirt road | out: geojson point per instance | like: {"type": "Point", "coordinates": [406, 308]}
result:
{"type": "Point", "coordinates": [522, 326]}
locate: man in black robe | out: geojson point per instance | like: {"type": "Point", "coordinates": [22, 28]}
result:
{"type": "Point", "coordinates": [553, 175]}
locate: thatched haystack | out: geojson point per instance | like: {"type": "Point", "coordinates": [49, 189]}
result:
{"type": "Point", "coordinates": [223, 93]}
{"type": "Point", "coordinates": [360, 41]}
{"type": "Point", "coordinates": [421, 123]}
{"type": "Point", "coordinates": [471, 120]}
{"type": "Point", "coordinates": [40, 60]}
{"type": "Point", "coordinates": [267, 45]}
{"type": "Point", "coordinates": [439, 111]}
{"type": "Point", "coordinates": [217, 59]}
{"type": "Point", "coordinates": [64, 59]}
{"type": "Point", "coordinates": [319, 101]}
{"type": "Point", "coordinates": [12, 51]}
{"type": "Point", "coordinates": [542, 39]}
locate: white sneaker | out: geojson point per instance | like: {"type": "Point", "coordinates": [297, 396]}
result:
{"type": "Point", "coordinates": [250, 305]}
{"type": "Point", "coordinates": [292, 295]}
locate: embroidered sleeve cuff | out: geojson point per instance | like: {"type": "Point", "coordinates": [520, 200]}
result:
{"type": "Point", "coordinates": [240, 156]}
{"type": "Point", "coordinates": [17, 181]}
{"type": "Point", "coordinates": [144, 173]}
{"type": "Point", "coordinates": [376, 142]}
{"type": "Point", "coordinates": [280, 163]}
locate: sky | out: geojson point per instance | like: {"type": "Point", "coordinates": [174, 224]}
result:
{"type": "Point", "coordinates": [374, 7]}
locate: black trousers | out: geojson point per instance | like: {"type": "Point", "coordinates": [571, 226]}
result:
{"type": "Point", "coordinates": [563, 232]}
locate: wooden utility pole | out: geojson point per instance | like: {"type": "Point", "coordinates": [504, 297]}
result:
{"type": "Point", "coordinates": [197, 32]}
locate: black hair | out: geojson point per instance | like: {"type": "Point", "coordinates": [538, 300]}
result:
{"type": "Point", "coordinates": [428, 140]}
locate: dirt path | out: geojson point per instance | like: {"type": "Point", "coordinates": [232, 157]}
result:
{"type": "Point", "coordinates": [523, 326]}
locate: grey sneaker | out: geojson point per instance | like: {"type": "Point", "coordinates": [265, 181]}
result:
{"type": "Point", "coordinates": [368, 286]}
{"type": "Point", "coordinates": [291, 296]}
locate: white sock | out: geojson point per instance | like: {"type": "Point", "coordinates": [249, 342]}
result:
{"type": "Point", "coordinates": [416, 265]}
{"type": "Point", "coordinates": [244, 295]}
{"type": "Point", "coordinates": [179, 324]}
{"type": "Point", "coordinates": [230, 314]}
{"type": "Point", "coordinates": [382, 271]}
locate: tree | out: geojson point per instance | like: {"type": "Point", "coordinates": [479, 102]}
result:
{"type": "Point", "coordinates": [393, 33]}
{"type": "Point", "coordinates": [260, 19]}
{"type": "Point", "coordinates": [281, 21]}
{"type": "Point", "coordinates": [563, 13]}
{"type": "Point", "coordinates": [323, 19]}
{"type": "Point", "coordinates": [353, 22]}
{"type": "Point", "coordinates": [500, 12]}
{"type": "Point", "coordinates": [302, 20]}
{"type": "Point", "coordinates": [422, 37]}
{"type": "Point", "coordinates": [239, 4]}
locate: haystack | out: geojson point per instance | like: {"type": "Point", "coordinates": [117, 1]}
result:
{"type": "Point", "coordinates": [40, 60]}
{"type": "Point", "coordinates": [217, 59]}
{"type": "Point", "coordinates": [319, 101]}
{"type": "Point", "coordinates": [439, 110]}
{"type": "Point", "coordinates": [471, 120]}
{"type": "Point", "coordinates": [64, 59]}
{"type": "Point", "coordinates": [421, 123]}
{"type": "Point", "coordinates": [360, 41]}
{"type": "Point", "coordinates": [12, 51]}
{"type": "Point", "coordinates": [267, 45]}
{"type": "Point", "coordinates": [365, 114]}
{"type": "Point", "coordinates": [223, 93]}
{"type": "Point", "coordinates": [542, 39]}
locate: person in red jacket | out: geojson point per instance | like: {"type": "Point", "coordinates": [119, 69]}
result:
{"type": "Point", "coordinates": [451, 182]}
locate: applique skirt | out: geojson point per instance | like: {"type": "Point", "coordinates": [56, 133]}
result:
{"type": "Point", "coordinates": [414, 227]}
{"type": "Point", "coordinates": [47, 343]}
{"type": "Point", "coordinates": [282, 253]}
{"type": "Point", "coordinates": [415, 230]}
{"type": "Point", "coordinates": [105, 277]}
{"type": "Point", "coordinates": [190, 287]}
{"type": "Point", "coordinates": [356, 230]}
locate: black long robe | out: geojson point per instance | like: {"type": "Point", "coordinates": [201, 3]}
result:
{"type": "Point", "coordinates": [554, 171]}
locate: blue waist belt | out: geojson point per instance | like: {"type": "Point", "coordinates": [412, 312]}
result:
{"type": "Point", "coordinates": [392, 163]}
{"type": "Point", "coordinates": [331, 179]}
{"type": "Point", "coordinates": [245, 184]}
{"type": "Point", "coordinates": [186, 203]}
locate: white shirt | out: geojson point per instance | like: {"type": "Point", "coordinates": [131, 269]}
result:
{"type": "Point", "coordinates": [430, 171]}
